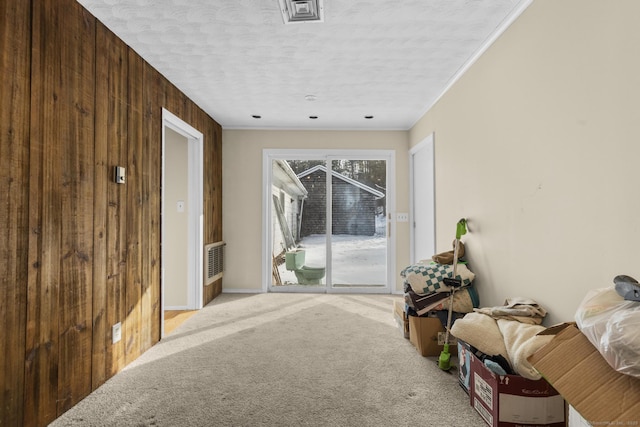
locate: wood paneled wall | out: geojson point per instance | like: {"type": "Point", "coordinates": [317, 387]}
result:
{"type": "Point", "coordinates": [80, 253]}
{"type": "Point", "coordinates": [15, 60]}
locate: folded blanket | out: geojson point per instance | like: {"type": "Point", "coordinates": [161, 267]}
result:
{"type": "Point", "coordinates": [423, 304]}
{"type": "Point", "coordinates": [482, 332]}
{"type": "Point", "coordinates": [523, 310]}
{"type": "Point", "coordinates": [425, 278]}
{"type": "Point", "coordinates": [464, 301]}
{"type": "Point", "coordinates": [521, 341]}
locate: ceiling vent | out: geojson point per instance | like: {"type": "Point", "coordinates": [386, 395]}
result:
{"type": "Point", "coordinates": [301, 11]}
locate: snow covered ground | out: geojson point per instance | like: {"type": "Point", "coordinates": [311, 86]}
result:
{"type": "Point", "coordinates": [357, 260]}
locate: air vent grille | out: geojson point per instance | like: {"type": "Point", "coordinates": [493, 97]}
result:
{"type": "Point", "coordinates": [213, 262]}
{"type": "Point", "coordinates": [301, 11]}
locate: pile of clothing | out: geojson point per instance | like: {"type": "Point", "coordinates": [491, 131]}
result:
{"type": "Point", "coordinates": [505, 336]}
{"type": "Point", "coordinates": [426, 294]}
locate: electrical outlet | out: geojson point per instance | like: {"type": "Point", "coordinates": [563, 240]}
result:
{"type": "Point", "coordinates": [116, 332]}
{"type": "Point", "coordinates": [402, 217]}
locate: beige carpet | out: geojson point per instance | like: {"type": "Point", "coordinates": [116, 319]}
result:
{"type": "Point", "coordinates": [281, 360]}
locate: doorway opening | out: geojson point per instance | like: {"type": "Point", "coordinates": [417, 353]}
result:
{"type": "Point", "coordinates": [181, 217]}
{"type": "Point", "coordinates": [326, 221]}
{"type": "Point", "coordinates": [422, 200]}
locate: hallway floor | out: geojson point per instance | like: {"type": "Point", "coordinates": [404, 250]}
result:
{"type": "Point", "coordinates": [174, 318]}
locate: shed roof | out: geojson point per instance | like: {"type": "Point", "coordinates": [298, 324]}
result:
{"type": "Point", "coordinates": [351, 181]}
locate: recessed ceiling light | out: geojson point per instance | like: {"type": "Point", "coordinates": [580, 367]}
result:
{"type": "Point", "coordinates": [256, 116]}
{"type": "Point", "coordinates": [368, 117]}
{"type": "Point", "coordinates": [313, 117]}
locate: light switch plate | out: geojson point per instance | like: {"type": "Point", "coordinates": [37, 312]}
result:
{"type": "Point", "coordinates": [402, 217]}
{"type": "Point", "coordinates": [119, 174]}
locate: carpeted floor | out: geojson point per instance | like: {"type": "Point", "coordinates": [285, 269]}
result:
{"type": "Point", "coordinates": [281, 360]}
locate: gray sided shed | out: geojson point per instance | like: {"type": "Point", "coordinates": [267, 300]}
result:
{"type": "Point", "coordinates": [353, 208]}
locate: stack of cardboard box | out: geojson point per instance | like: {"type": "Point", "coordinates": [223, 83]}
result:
{"type": "Point", "coordinates": [426, 333]}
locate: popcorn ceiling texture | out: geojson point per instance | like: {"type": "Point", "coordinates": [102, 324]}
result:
{"type": "Point", "coordinates": [389, 59]}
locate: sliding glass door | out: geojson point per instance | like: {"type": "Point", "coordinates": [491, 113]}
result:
{"type": "Point", "coordinates": [327, 227]}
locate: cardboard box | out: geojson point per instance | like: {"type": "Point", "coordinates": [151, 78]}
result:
{"type": "Point", "coordinates": [464, 365]}
{"type": "Point", "coordinates": [423, 334]}
{"type": "Point", "coordinates": [513, 400]}
{"type": "Point", "coordinates": [400, 317]}
{"type": "Point", "coordinates": [578, 371]}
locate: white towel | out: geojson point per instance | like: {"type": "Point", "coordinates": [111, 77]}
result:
{"type": "Point", "coordinates": [521, 341]}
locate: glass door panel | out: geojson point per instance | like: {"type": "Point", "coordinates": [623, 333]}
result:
{"type": "Point", "coordinates": [298, 226]}
{"type": "Point", "coordinates": [358, 223]}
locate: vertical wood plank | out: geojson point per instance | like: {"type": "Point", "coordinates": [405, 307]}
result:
{"type": "Point", "coordinates": [154, 87]}
{"type": "Point", "coordinates": [110, 204]}
{"type": "Point", "coordinates": [177, 102]}
{"type": "Point", "coordinates": [100, 351]}
{"type": "Point", "coordinates": [74, 133]}
{"type": "Point", "coordinates": [213, 194]}
{"type": "Point", "coordinates": [41, 367]}
{"type": "Point", "coordinates": [117, 226]}
{"type": "Point", "coordinates": [133, 290]}
{"type": "Point", "coordinates": [216, 171]}
{"type": "Point", "coordinates": [15, 57]}
{"type": "Point", "coordinates": [154, 144]}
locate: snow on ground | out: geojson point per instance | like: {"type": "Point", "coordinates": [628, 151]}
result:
{"type": "Point", "coordinates": [357, 260]}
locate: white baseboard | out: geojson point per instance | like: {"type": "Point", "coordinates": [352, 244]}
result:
{"type": "Point", "coordinates": [176, 307]}
{"type": "Point", "coordinates": [242, 291]}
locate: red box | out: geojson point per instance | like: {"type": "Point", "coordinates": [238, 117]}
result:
{"type": "Point", "coordinates": [514, 401]}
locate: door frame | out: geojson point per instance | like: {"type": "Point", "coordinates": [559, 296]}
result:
{"type": "Point", "coordinates": [268, 156]}
{"type": "Point", "coordinates": [426, 144]}
{"type": "Point", "coordinates": [195, 245]}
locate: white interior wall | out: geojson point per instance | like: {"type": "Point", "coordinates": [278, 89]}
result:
{"type": "Point", "coordinates": [243, 186]}
{"type": "Point", "coordinates": [537, 145]}
{"type": "Point", "coordinates": [175, 241]}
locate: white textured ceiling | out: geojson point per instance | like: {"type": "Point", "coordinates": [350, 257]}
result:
{"type": "Point", "coordinates": [390, 59]}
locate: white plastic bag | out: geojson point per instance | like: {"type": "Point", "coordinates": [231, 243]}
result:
{"type": "Point", "coordinates": [612, 324]}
